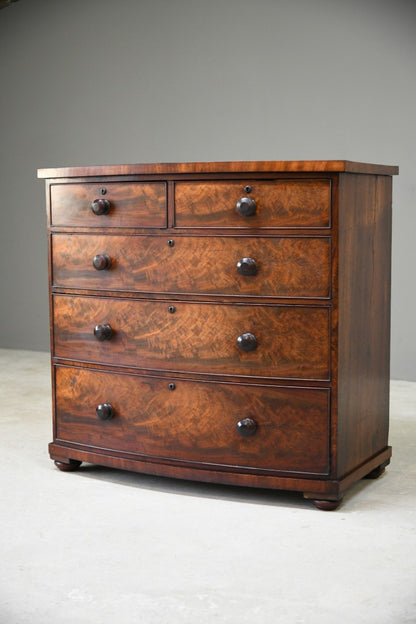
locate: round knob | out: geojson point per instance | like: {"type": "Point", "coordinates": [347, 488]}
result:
{"type": "Point", "coordinates": [103, 332]}
{"type": "Point", "coordinates": [101, 262]}
{"type": "Point", "coordinates": [247, 266]}
{"type": "Point", "coordinates": [246, 427]}
{"type": "Point", "coordinates": [246, 206]}
{"type": "Point", "coordinates": [105, 411]}
{"type": "Point", "coordinates": [247, 342]}
{"type": "Point", "coordinates": [100, 206]}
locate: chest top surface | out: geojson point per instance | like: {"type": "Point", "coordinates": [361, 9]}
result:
{"type": "Point", "coordinates": [279, 166]}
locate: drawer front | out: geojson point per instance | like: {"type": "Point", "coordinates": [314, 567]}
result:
{"type": "Point", "coordinates": [130, 204]}
{"type": "Point", "coordinates": [196, 422]}
{"type": "Point", "coordinates": [277, 204]}
{"type": "Point", "coordinates": [280, 267]}
{"type": "Point", "coordinates": [265, 341]}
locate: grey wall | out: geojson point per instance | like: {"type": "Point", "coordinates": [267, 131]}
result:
{"type": "Point", "coordinates": [106, 82]}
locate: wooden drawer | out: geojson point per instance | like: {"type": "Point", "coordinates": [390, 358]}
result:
{"type": "Point", "coordinates": [131, 204]}
{"type": "Point", "coordinates": [277, 204]}
{"type": "Point", "coordinates": [196, 422]}
{"type": "Point", "coordinates": [286, 341]}
{"type": "Point", "coordinates": [283, 267]}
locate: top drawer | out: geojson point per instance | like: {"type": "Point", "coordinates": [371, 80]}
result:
{"type": "Point", "coordinates": [126, 204]}
{"type": "Point", "coordinates": [253, 204]}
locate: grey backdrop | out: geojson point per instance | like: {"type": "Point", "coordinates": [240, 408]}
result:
{"type": "Point", "coordinates": [107, 82]}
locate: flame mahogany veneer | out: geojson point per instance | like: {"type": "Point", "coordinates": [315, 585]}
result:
{"type": "Point", "coordinates": [223, 322]}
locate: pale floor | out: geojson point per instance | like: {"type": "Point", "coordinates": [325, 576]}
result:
{"type": "Point", "coordinates": [101, 546]}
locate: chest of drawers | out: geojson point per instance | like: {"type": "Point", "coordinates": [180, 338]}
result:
{"type": "Point", "coordinates": [223, 322]}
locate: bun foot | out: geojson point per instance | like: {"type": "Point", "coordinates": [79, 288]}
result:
{"type": "Point", "coordinates": [376, 473]}
{"type": "Point", "coordinates": [326, 505]}
{"type": "Point", "coordinates": [68, 466]}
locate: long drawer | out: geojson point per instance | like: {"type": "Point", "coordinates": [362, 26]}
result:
{"type": "Point", "coordinates": [126, 204]}
{"type": "Point", "coordinates": [263, 427]}
{"type": "Point", "coordinates": [234, 339]}
{"type": "Point", "coordinates": [232, 265]}
{"type": "Point", "coordinates": [253, 204]}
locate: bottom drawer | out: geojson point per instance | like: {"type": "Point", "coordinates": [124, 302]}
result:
{"type": "Point", "coordinates": [210, 424]}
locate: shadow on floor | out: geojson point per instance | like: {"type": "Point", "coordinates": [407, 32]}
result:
{"type": "Point", "coordinates": [236, 494]}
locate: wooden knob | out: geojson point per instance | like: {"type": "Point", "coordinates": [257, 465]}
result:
{"type": "Point", "coordinates": [247, 342]}
{"type": "Point", "coordinates": [247, 266]}
{"type": "Point", "coordinates": [246, 206]}
{"type": "Point", "coordinates": [103, 332]}
{"type": "Point", "coordinates": [101, 262]}
{"type": "Point", "coordinates": [100, 206]}
{"type": "Point", "coordinates": [105, 411]}
{"type": "Point", "coordinates": [246, 427]}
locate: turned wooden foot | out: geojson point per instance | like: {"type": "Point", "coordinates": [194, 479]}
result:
{"type": "Point", "coordinates": [69, 466]}
{"type": "Point", "coordinates": [374, 474]}
{"type": "Point", "coordinates": [326, 505]}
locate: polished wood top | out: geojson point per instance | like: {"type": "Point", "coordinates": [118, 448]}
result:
{"type": "Point", "coordinates": [280, 166]}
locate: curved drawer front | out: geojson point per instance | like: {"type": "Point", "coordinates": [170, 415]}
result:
{"type": "Point", "coordinates": [277, 204]}
{"type": "Point", "coordinates": [130, 204]}
{"type": "Point", "coordinates": [195, 422]}
{"type": "Point", "coordinates": [280, 267]}
{"type": "Point", "coordinates": [265, 341]}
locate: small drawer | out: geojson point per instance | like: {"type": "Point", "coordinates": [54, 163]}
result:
{"type": "Point", "coordinates": [233, 265]}
{"type": "Point", "coordinates": [253, 204]}
{"type": "Point", "coordinates": [126, 204]}
{"type": "Point", "coordinates": [251, 340]}
{"type": "Point", "coordinates": [222, 425]}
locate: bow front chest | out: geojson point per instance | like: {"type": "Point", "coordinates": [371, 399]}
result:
{"type": "Point", "coordinates": [223, 322]}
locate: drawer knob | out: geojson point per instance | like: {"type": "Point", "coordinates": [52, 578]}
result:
{"type": "Point", "coordinates": [102, 262]}
{"type": "Point", "coordinates": [100, 206]}
{"type": "Point", "coordinates": [247, 266]}
{"type": "Point", "coordinates": [246, 206]}
{"type": "Point", "coordinates": [247, 342]}
{"type": "Point", "coordinates": [246, 427]}
{"type": "Point", "coordinates": [103, 332]}
{"type": "Point", "coordinates": [105, 411]}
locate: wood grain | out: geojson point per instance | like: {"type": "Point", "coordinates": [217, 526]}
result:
{"type": "Point", "coordinates": [196, 422]}
{"type": "Point", "coordinates": [277, 166]}
{"type": "Point", "coordinates": [132, 204]}
{"type": "Point", "coordinates": [293, 341]}
{"type": "Point", "coordinates": [280, 203]}
{"type": "Point", "coordinates": [286, 266]}
{"type": "Point", "coordinates": [315, 310]}
{"type": "Point", "coordinates": [364, 318]}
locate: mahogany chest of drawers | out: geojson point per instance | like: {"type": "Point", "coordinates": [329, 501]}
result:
{"type": "Point", "coordinates": [224, 322]}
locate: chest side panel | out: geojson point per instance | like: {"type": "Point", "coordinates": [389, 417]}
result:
{"type": "Point", "coordinates": [364, 318]}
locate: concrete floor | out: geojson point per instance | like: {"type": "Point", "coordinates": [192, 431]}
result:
{"type": "Point", "coordinates": [102, 546]}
